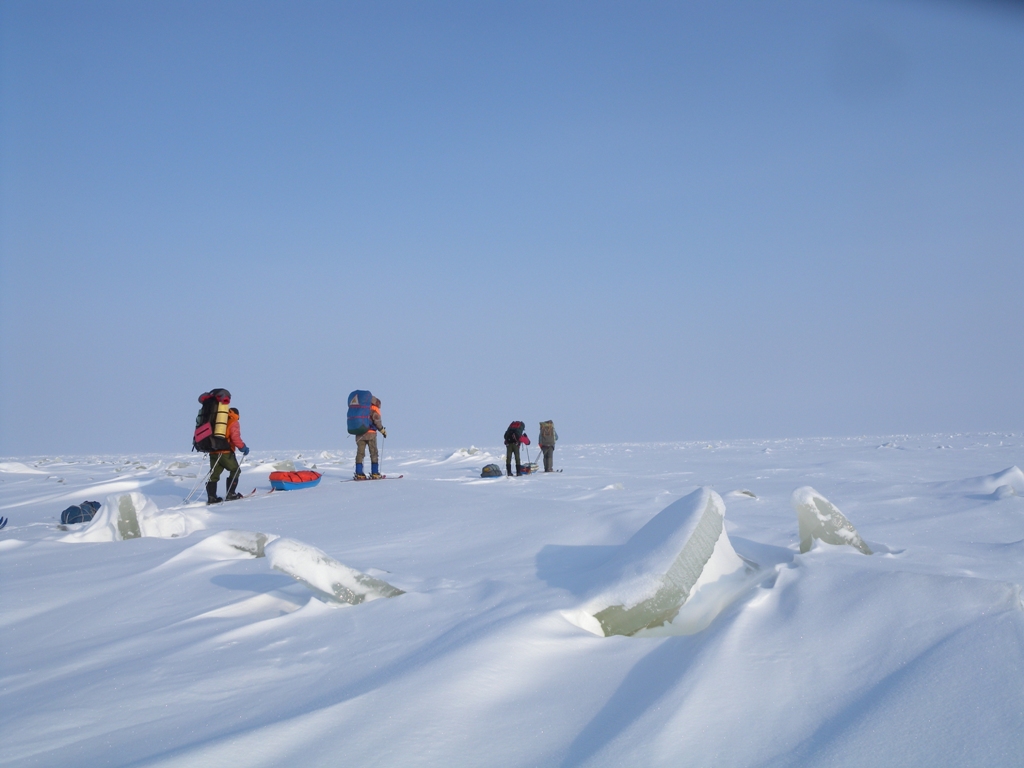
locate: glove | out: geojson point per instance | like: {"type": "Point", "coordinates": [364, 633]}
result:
{"type": "Point", "coordinates": [245, 451]}
{"type": "Point", "coordinates": [383, 432]}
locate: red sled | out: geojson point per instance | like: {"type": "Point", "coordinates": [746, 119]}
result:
{"type": "Point", "coordinates": [293, 481]}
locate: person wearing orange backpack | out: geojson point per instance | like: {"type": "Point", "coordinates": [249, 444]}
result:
{"type": "Point", "coordinates": [221, 460]}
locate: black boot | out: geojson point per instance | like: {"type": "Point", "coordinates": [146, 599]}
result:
{"type": "Point", "coordinates": [508, 469]}
{"type": "Point", "coordinates": [232, 485]}
{"type": "Point", "coordinates": [211, 494]}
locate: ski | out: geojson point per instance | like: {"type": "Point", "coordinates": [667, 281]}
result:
{"type": "Point", "coordinates": [252, 494]}
{"type": "Point", "coordinates": [369, 479]}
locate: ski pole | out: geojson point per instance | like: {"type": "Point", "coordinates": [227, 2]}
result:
{"type": "Point", "coordinates": [200, 483]}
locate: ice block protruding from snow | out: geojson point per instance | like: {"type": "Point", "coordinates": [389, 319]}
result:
{"type": "Point", "coordinates": [325, 575]}
{"type": "Point", "coordinates": [819, 518]}
{"type": "Point", "coordinates": [132, 516]}
{"type": "Point", "coordinates": [677, 572]}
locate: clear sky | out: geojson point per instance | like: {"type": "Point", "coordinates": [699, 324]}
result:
{"type": "Point", "coordinates": [646, 221]}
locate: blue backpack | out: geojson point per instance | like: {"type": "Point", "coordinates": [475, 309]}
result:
{"type": "Point", "coordinates": [359, 422]}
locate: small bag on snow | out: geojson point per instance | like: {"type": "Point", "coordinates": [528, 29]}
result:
{"type": "Point", "coordinates": [80, 513]}
{"type": "Point", "coordinates": [491, 470]}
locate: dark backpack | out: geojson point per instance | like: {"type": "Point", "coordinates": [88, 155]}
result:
{"type": "Point", "coordinates": [359, 421]}
{"type": "Point", "coordinates": [514, 432]}
{"type": "Point", "coordinates": [81, 513]}
{"type": "Point", "coordinates": [492, 470]}
{"type": "Point", "coordinates": [204, 438]}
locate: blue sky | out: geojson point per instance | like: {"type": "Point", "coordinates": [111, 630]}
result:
{"type": "Point", "coordinates": [668, 221]}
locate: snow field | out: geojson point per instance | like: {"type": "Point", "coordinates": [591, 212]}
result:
{"type": "Point", "coordinates": [192, 650]}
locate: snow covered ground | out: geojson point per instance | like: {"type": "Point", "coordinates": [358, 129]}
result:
{"type": "Point", "coordinates": [182, 647]}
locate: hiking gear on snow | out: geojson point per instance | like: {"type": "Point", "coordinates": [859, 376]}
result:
{"type": "Point", "coordinates": [359, 475]}
{"type": "Point", "coordinates": [359, 403]}
{"type": "Point", "coordinates": [547, 433]}
{"type": "Point", "coordinates": [233, 487]}
{"type": "Point", "coordinates": [376, 476]}
{"type": "Point", "coordinates": [81, 513]}
{"type": "Point", "coordinates": [491, 470]}
{"type": "Point", "coordinates": [292, 481]}
{"type": "Point", "coordinates": [245, 451]}
{"type": "Point", "coordinates": [374, 468]}
{"type": "Point", "coordinates": [3, 520]}
{"type": "Point", "coordinates": [211, 422]}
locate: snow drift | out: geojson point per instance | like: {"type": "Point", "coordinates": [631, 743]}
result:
{"type": "Point", "coordinates": [672, 577]}
{"type": "Point", "coordinates": [1009, 482]}
{"type": "Point", "coordinates": [132, 516]}
{"type": "Point", "coordinates": [324, 575]}
{"type": "Point", "coordinates": [819, 518]}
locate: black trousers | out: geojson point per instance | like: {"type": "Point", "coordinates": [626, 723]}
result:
{"type": "Point", "coordinates": [510, 451]}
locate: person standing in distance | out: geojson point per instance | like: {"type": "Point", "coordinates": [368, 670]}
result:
{"type": "Point", "coordinates": [548, 438]}
{"type": "Point", "coordinates": [515, 436]}
{"type": "Point", "coordinates": [369, 440]}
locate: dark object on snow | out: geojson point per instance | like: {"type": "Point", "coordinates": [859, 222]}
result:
{"type": "Point", "coordinates": [3, 522]}
{"type": "Point", "coordinates": [212, 422]}
{"type": "Point", "coordinates": [491, 470]}
{"type": "Point", "coordinates": [82, 513]}
{"type": "Point", "coordinates": [359, 421]}
{"type": "Point", "coordinates": [293, 481]}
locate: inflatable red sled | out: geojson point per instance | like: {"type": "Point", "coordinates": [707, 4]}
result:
{"type": "Point", "coordinates": [292, 481]}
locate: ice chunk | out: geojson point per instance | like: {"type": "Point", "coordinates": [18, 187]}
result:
{"type": "Point", "coordinates": [677, 572]}
{"type": "Point", "coordinates": [818, 518]}
{"type": "Point", "coordinates": [249, 542]}
{"type": "Point", "coordinates": [132, 515]}
{"type": "Point", "coordinates": [127, 518]}
{"type": "Point", "coordinates": [325, 575]}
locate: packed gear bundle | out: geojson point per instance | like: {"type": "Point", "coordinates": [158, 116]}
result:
{"type": "Point", "coordinates": [211, 432]}
{"type": "Point", "coordinates": [292, 481]}
{"type": "Point", "coordinates": [359, 421]}
{"type": "Point", "coordinates": [80, 513]}
{"type": "Point", "coordinates": [491, 470]}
